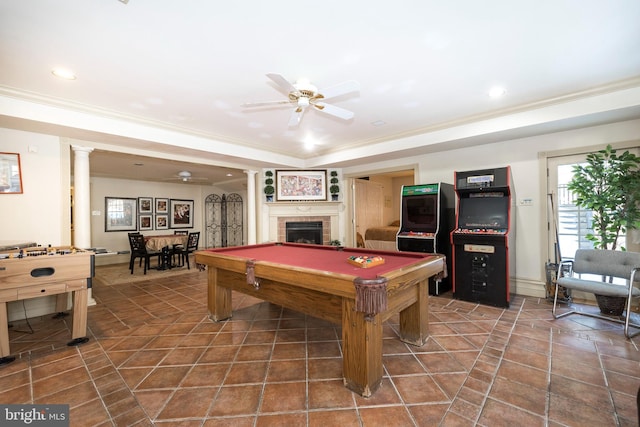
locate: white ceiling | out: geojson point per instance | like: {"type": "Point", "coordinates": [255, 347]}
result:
{"type": "Point", "coordinates": [171, 76]}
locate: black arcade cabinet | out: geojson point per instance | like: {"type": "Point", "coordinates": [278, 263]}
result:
{"type": "Point", "coordinates": [427, 215]}
{"type": "Point", "coordinates": [484, 238]}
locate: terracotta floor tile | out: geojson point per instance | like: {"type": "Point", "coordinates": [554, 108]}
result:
{"type": "Point", "coordinates": [523, 374]}
{"type": "Point", "coordinates": [188, 403]}
{"type": "Point", "coordinates": [497, 413]}
{"type": "Point", "coordinates": [589, 394]}
{"type": "Point", "coordinates": [329, 394]}
{"type": "Point", "coordinates": [284, 397]}
{"type": "Point", "coordinates": [237, 400]}
{"type": "Point", "coordinates": [402, 365]}
{"type": "Point", "coordinates": [58, 382]}
{"type": "Point", "coordinates": [520, 395]}
{"type": "Point", "coordinates": [287, 370]}
{"type": "Point", "coordinates": [164, 377]}
{"type": "Point", "coordinates": [562, 409]}
{"type": "Point", "coordinates": [342, 417]}
{"type": "Point", "coordinates": [72, 396]}
{"type": "Point", "coordinates": [440, 362]}
{"type": "Point", "coordinates": [289, 351]}
{"type": "Point", "coordinates": [419, 389]}
{"type": "Point", "coordinates": [246, 373]}
{"type": "Point", "coordinates": [386, 394]}
{"type": "Point", "coordinates": [211, 375]}
{"type": "Point", "coordinates": [152, 401]}
{"type": "Point", "coordinates": [330, 368]}
{"type": "Point", "coordinates": [386, 416]}
{"type": "Point", "coordinates": [156, 359]}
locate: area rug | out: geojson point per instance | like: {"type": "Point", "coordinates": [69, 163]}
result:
{"type": "Point", "coordinates": [118, 274]}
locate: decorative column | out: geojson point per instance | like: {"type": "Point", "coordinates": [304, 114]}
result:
{"type": "Point", "coordinates": [82, 202]}
{"type": "Point", "coordinates": [251, 206]}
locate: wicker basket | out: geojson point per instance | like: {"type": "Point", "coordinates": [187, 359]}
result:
{"type": "Point", "coordinates": [613, 306]}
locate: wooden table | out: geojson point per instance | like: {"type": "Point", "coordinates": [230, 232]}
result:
{"type": "Point", "coordinates": [156, 243]}
{"type": "Point", "coordinates": [319, 281]}
{"type": "Point", "coordinates": [164, 243]}
{"type": "Point", "coordinates": [36, 276]}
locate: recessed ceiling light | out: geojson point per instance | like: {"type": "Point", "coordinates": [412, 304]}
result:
{"type": "Point", "coordinates": [229, 174]}
{"type": "Point", "coordinates": [497, 92]}
{"type": "Point", "coordinates": [379, 123]}
{"type": "Point", "coordinates": [63, 73]}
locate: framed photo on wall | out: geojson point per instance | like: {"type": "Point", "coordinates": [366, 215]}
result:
{"type": "Point", "coordinates": [301, 185]}
{"type": "Point", "coordinates": [146, 222]}
{"type": "Point", "coordinates": [162, 206]}
{"type": "Point", "coordinates": [162, 222]}
{"type": "Point", "coordinates": [145, 205]}
{"type": "Point", "coordinates": [10, 174]}
{"type": "Point", "coordinates": [120, 214]}
{"type": "Point", "coordinates": [180, 213]}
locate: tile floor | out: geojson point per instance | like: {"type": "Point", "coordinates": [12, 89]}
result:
{"type": "Point", "coordinates": [154, 358]}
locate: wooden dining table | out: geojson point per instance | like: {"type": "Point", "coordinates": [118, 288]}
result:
{"type": "Point", "coordinates": [156, 243]}
{"type": "Point", "coordinates": [163, 243]}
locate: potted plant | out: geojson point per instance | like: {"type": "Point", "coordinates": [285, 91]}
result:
{"type": "Point", "coordinates": [334, 188]}
{"type": "Point", "coordinates": [269, 189]}
{"type": "Point", "coordinates": [608, 184]}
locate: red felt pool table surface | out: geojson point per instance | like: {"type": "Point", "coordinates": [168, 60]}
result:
{"type": "Point", "coordinates": [326, 258]}
{"type": "Point", "coordinates": [319, 281]}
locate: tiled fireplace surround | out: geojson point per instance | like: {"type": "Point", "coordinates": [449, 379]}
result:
{"type": "Point", "coordinates": [281, 213]}
{"type": "Point", "coordinates": [326, 226]}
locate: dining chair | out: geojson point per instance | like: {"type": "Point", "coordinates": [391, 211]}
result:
{"type": "Point", "coordinates": [177, 249]}
{"type": "Point", "coordinates": [139, 250]}
{"type": "Point", "coordinates": [192, 245]}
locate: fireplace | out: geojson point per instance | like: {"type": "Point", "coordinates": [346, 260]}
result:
{"type": "Point", "coordinates": [304, 232]}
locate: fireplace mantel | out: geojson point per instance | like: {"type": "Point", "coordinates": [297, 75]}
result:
{"type": "Point", "coordinates": [299, 211]}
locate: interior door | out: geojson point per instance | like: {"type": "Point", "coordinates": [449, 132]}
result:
{"type": "Point", "coordinates": [368, 205]}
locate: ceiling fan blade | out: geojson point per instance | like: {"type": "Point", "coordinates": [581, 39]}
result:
{"type": "Point", "coordinates": [282, 82]}
{"type": "Point", "coordinates": [265, 103]}
{"type": "Point", "coordinates": [340, 89]}
{"type": "Point", "coordinates": [334, 111]}
{"type": "Point", "coordinates": [296, 116]}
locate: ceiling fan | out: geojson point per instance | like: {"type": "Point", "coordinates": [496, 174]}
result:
{"type": "Point", "coordinates": [185, 176]}
{"type": "Point", "coordinates": [303, 95]}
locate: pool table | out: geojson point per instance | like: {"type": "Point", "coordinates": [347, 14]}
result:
{"type": "Point", "coordinates": [322, 281]}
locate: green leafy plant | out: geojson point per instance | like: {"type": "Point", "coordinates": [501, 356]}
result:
{"type": "Point", "coordinates": [269, 189]}
{"type": "Point", "coordinates": [335, 243]}
{"type": "Point", "coordinates": [334, 188]}
{"type": "Point", "coordinates": [609, 185]}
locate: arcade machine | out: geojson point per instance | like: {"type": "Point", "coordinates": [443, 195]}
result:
{"type": "Point", "coordinates": [484, 238]}
{"type": "Point", "coordinates": [427, 215]}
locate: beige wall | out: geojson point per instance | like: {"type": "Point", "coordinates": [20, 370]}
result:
{"type": "Point", "coordinates": [525, 156]}
{"type": "Point", "coordinates": [41, 212]}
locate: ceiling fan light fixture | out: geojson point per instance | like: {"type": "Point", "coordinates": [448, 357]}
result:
{"type": "Point", "coordinates": [303, 102]}
{"type": "Point", "coordinates": [185, 175]}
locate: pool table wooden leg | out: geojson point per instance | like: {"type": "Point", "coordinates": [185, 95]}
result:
{"type": "Point", "coordinates": [219, 298]}
{"type": "Point", "coordinates": [362, 350]}
{"type": "Point", "coordinates": [414, 320]}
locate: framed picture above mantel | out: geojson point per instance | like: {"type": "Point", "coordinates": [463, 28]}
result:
{"type": "Point", "coordinates": [292, 185]}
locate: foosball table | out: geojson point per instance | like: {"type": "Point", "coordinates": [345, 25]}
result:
{"type": "Point", "coordinates": [35, 272]}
